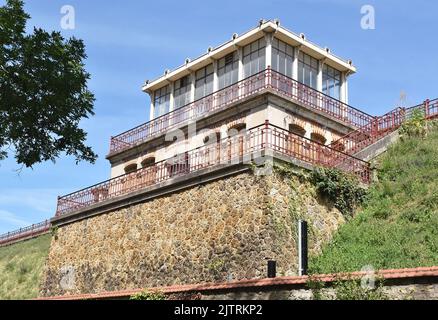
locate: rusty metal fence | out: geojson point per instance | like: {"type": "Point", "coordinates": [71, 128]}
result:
{"type": "Point", "coordinates": [380, 127]}
{"type": "Point", "coordinates": [241, 148]}
{"type": "Point", "coordinates": [266, 79]}
{"type": "Point", "coordinates": [25, 233]}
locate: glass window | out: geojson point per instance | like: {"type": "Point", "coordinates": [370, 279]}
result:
{"type": "Point", "coordinates": [228, 70]}
{"type": "Point", "coordinates": [331, 82]}
{"type": "Point", "coordinates": [307, 70]}
{"type": "Point", "coordinates": [181, 93]}
{"type": "Point", "coordinates": [254, 57]}
{"type": "Point", "coordinates": [282, 57]}
{"type": "Point", "coordinates": [161, 101]}
{"type": "Point", "coordinates": [204, 82]}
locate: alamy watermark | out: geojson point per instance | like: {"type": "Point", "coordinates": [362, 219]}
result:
{"type": "Point", "coordinates": [368, 21]}
{"type": "Point", "coordinates": [368, 280]}
{"type": "Point", "coordinates": [68, 19]}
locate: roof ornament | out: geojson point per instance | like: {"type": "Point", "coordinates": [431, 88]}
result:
{"type": "Point", "coordinates": [303, 36]}
{"type": "Point", "coordinates": [261, 22]}
{"type": "Point", "coordinates": [187, 61]}
{"type": "Point", "coordinates": [235, 35]}
{"type": "Point", "coordinates": [277, 22]}
{"type": "Point", "coordinates": [166, 72]}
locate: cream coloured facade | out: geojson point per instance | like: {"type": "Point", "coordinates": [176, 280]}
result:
{"type": "Point", "coordinates": [310, 73]}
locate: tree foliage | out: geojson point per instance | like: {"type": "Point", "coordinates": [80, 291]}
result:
{"type": "Point", "coordinates": [43, 92]}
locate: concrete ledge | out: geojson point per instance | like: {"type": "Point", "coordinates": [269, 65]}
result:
{"type": "Point", "coordinates": [391, 277]}
{"type": "Point", "coordinates": [378, 147]}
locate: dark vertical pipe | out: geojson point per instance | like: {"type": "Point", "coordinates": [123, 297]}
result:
{"type": "Point", "coordinates": [272, 268]}
{"type": "Point", "coordinates": [302, 248]}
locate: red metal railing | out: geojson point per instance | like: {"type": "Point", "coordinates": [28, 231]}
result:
{"type": "Point", "coordinates": [364, 136]}
{"type": "Point", "coordinates": [25, 233]}
{"type": "Point", "coordinates": [429, 108]}
{"type": "Point", "coordinates": [223, 98]}
{"type": "Point", "coordinates": [359, 139]}
{"type": "Point", "coordinates": [232, 150]}
{"type": "Point", "coordinates": [300, 148]}
{"type": "Point", "coordinates": [317, 100]}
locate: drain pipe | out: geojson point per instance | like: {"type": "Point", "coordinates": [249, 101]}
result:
{"type": "Point", "coordinates": [302, 248]}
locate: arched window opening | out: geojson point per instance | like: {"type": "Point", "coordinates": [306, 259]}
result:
{"type": "Point", "coordinates": [236, 129]}
{"type": "Point", "coordinates": [148, 162]}
{"type": "Point", "coordinates": [236, 146]}
{"type": "Point", "coordinates": [296, 129]}
{"type": "Point", "coordinates": [317, 137]}
{"type": "Point", "coordinates": [212, 138]}
{"type": "Point", "coordinates": [296, 147]}
{"type": "Point", "coordinates": [131, 168]}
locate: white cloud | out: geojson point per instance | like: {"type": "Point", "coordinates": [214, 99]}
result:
{"type": "Point", "coordinates": [13, 219]}
{"type": "Point", "coordinates": [30, 200]}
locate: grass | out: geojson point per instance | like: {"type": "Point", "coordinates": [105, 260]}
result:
{"type": "Point", "coordinates": [21, 267]}
{"type": "Point", "coordinates": [398, 224]}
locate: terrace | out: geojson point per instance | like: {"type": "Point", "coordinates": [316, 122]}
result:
{"type": "Point", "coordinates": [254, 144]}
{"type": "Point", "coordinates": [267, 80]}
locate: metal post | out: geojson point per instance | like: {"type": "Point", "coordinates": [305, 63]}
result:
{"type": "Point", "coordinates": [426, 108]}
{"type": "Point", "coordinates": [302, 248]}
{"type": "Point", "coordinates": [272, 268]}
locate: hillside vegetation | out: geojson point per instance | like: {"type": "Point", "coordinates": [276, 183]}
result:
{"type": "Point", "coordinates": [21, 267]}
{"type": "Point", "coordinates": [397, 226]}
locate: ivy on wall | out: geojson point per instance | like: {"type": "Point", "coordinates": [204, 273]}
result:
{"type": "Point", "coordinates": [342, 189]}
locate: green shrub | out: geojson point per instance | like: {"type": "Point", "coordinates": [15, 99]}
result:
{"type": "Point", "coordinates": [148, 295]}
{"type": "Point", "coordinates": [415, 126]}
{"type": "Point", "coordinates": [352, 289]}
{"type": "Point", "coordinates": [342, 189]}
{"type": "Point", "coordinates": [397, 226]}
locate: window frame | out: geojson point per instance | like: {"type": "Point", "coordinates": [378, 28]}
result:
{"type": "Point", "coordinates": [182, 92]}
{"type": "Point", "coordinates": [304, 66]}
{"type": "Point", "coordinates": [256, 48]}
{"type": "Point", "coordinates": [159, 95]}
{"type": "Point", "coordinates": [206, 81]}
{"type": "Point", "coordinates": [331, 81]}
{"type": "Point", "coordinates": [228, 73]}
{"type": "Point", "coordinates": [277, 51]}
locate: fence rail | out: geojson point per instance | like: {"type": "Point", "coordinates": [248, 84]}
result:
{"type": "Point", "coordinates": [232, 150]}
{"type": "Point", "coordinates": [359, 139]}
{"type": "Point", "coordinates": [429, 108]}
{"type": "Point", "coordinates": [24, 233]}
{"type": "Point", "coordinates": [223, 98]}
{"type": "Point", "coordinates": [380, 127]}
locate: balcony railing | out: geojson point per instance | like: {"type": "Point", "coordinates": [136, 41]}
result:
{"type": "Point", "coordinates": [267, 79]}
{"type": "Point", "coordinates": [25, 233]}
{"type": "Point", "coordinates": [232, 150]}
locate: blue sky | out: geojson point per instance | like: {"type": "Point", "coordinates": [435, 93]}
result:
{"type": "Point", "coordinates": [130, 41]}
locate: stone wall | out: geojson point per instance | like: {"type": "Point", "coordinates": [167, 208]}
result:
{"type": "Point", "coordinates": [415, 291]}
{"type": "Point", "coordinates": [220, 231]}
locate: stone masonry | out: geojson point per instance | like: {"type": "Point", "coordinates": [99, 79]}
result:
{"type": "Point", "coordinates": [219, 231]}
